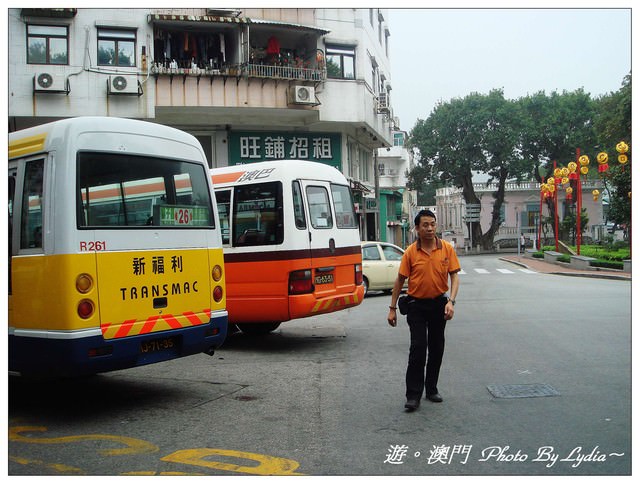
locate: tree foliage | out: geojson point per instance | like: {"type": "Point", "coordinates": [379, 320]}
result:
{"type": "Point", "coordinates": [512, 139]}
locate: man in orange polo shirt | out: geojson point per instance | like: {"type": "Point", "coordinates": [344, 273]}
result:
{"type": "Point", "coordinates": [429, 263]}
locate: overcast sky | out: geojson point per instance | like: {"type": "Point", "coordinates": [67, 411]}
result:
{"type": "Point", "coordinates": [441, 54]}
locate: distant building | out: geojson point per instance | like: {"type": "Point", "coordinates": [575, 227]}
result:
{"type": "Point", "coordinates": [519, 213]}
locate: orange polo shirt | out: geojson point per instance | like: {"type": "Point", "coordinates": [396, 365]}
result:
{"type": "Point", "coordinates": [429, 273]}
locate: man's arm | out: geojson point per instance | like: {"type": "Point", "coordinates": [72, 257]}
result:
{"type": "Point", "coordinates": [392, 318]}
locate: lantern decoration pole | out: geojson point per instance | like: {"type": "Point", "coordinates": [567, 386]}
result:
{"type": "Point", "coordinates": [540, 215]}
{"type": "Point", "coordinates": [622, 148]}
{"type": "Point", "coordinates": [578, 207]}
{"type": "Point", "coordinates": [556, 183]}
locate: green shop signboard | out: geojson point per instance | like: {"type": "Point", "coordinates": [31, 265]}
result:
{"type": "Point", "coordinates": [252, 146]}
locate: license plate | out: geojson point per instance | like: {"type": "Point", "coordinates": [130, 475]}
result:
{"type": "Point", "coordinates": [324, 279]}
{"type": "Point", "coordinates": [156, 345]}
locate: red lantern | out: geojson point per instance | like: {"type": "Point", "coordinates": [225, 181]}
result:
{"type": "Point", "coordinates": [602, 168]}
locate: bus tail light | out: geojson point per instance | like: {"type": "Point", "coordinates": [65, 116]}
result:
{"type": "Point", "coordinates": [84, 283]}
{"type": "Point", "coordinates": [358, 274]}
{"type": "Point", "coordinates": [300, 282]}
{"type": "Point", "coordinates": [216, 273]}
{"type": "Point", "coordinates": [86, 308]}
{"type": "Point", "coordinates": [217, 294]}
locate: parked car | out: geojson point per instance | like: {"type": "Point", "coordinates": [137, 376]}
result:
{"type": "Point", "coordinates": [380, 264]}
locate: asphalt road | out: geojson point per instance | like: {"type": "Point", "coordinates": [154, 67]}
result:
{"type": "Point", "coordinates": [536, 380]}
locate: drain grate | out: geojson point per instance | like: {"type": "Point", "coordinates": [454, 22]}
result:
{"type": "Point", "coordinates": [522, 391]}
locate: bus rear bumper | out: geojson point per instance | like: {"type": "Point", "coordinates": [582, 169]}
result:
{"type": "Point", "coordinates": [309, 305]}
{"type": "Point", "coordinates": [77, 356]}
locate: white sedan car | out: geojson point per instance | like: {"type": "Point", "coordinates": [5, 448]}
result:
{"type": "Point", "coordinates": [380, 263]}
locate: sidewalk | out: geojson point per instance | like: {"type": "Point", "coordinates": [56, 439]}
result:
{"type": "Point", "coordinates": [560, 268]}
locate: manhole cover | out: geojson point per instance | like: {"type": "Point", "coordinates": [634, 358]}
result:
{"type": "Point", "coordinates": [522, 391]}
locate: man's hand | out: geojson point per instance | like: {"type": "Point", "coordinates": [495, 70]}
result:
{"type": "Point", "coordinates": [392, 318]}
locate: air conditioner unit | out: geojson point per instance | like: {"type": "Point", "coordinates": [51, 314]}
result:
{"type": "Point", "coordinates": [302, 95]}
{"type": "Point", "coordinates": [383, 102]}
{"type": "Point", "coordinates": [48, 82]}
{"type": "Point", "coordinates": [124, 85]}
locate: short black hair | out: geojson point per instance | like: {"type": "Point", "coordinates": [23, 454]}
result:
{"type": "Point", "coordinates": [423, 213]}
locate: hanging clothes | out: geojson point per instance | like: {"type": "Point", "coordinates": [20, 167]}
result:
{"type": "Point", "coordinates": [222, 48]}
{"type": "Point", "coordinates": [273, 46]}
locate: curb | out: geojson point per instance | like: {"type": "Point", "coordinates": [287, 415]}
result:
{"type": "Point", "coordinates": [593, 275]}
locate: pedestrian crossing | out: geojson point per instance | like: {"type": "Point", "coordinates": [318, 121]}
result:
{"type": "Point", "coordinates": [480, 270]}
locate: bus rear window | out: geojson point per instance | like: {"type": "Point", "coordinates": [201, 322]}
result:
{"type": "Point", "coordinates": [117, 190]}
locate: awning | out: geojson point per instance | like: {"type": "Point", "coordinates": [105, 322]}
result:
{"type": "Point", "coordinates": [275, 23]}
{"type": "Point", "coordinates": [171, 18]}
{"type": "Point", "coordinates": [221, 19]}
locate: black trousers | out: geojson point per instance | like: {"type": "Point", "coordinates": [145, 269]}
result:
{"type": "Point", "coordinates": [426, 324]}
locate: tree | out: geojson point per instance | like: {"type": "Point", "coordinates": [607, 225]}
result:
{"type": "Point", "coordinates": [612, 125]}
{"type": "Point", "coordinates": [476, 133]}
{"type": "Point", "coordinates": [555, 126]}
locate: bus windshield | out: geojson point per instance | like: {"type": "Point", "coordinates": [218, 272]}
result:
{"type": "Point", "coordinates": [117, 190]}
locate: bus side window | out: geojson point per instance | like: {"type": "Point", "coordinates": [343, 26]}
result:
{"type": "Point", "coordinates": [298, 207]}
{"type": "Point", "coordinates": [319, 207]}
{"type": "Point", "coordinates": [11, 192]}
{"type": "Point", "coordinates": [31, 222]}
{"type": "Point", "coordinates": [223, 199]}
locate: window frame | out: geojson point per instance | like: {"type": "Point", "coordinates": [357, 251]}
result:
{"type": "Point", "coordinates": [117, 35]}
{"type": "Point", "coordinates": [47, 39]}
{"type": "Point", "coordinates": [342, 52]}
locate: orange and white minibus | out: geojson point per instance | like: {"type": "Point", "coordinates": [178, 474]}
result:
{"type": "Point", "coordinates": [115, 251]}
{"type": "Point", "coordinates": [291, 242]}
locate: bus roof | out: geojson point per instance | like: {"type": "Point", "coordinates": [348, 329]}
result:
{"type": "Point", "coordinates": [276, 169]}
{"type": "Point", "coordinates": [37, 138]}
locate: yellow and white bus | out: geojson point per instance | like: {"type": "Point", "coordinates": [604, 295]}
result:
{"type": "Point", "coordinates": [291, 242]}
{"type": "Point", "coordinates": [115, 256]}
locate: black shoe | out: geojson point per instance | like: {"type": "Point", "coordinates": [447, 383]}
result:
{"type": "Point", "coordinates": [435, 397]}
{"type": "Point", "coordinates": [412, 404]}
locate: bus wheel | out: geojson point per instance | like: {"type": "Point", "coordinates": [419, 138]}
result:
{"type": "Point", "coordinates": [257, 329]}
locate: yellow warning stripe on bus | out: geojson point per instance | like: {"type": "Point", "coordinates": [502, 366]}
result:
{"type": "Point", "coordinates": [333, 304]}
{"type": "Point", "coordinates": [164, 322]}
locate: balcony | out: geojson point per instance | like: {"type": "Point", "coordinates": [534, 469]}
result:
{"type": "Point", "coordinates": [263, 71]}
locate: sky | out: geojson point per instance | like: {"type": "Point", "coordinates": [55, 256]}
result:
{"type": "Point", "coordinates": [440, 54]}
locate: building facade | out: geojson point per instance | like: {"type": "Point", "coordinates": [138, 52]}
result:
{"type": "Point", "coordinates": [250, 84]}
{"type": "Point", "coordinates": [519, 214]}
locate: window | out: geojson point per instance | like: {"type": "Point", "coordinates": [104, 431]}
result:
{"type": "Point", "coordinates": [31, 220]}
{"type": "Point", "coordinates": [392, 253]}
{"type": "Point", "coordinates": [116, 47]}
{"type": "Point", "coordinates": [47, 44]}
{"type": "Point", "coordinates": [257, 215]}
{"type": "Point", "coordinates": [343, 205]}
{"type": "Point", "coordinates": [298, 207]}
{"type": "Point", "coordinates": [133, 191]}
{"type": "Point", "coordinates": [370, 252]}
{"type": "Point", "coordinates": [223, 200]}
{"type": "Point", "coordinates": [398, 139]}
{"type": "Point", "coordinates": [341, 62]}
{"type": "Point", "coordinates": [319, 208]}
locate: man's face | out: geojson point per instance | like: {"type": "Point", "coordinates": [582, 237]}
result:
{"type": "Point", "coordinates": [427, 227]}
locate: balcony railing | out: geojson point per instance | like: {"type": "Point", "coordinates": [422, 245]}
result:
{"type": "Point", "coordinates": [263, 71]}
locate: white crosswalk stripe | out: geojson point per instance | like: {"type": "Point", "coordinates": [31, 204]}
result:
{"type": "Point", "coordinates": [480, 270]}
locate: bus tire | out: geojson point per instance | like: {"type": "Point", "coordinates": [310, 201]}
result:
{"type": "Point", "coordinates": [257, 329]}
